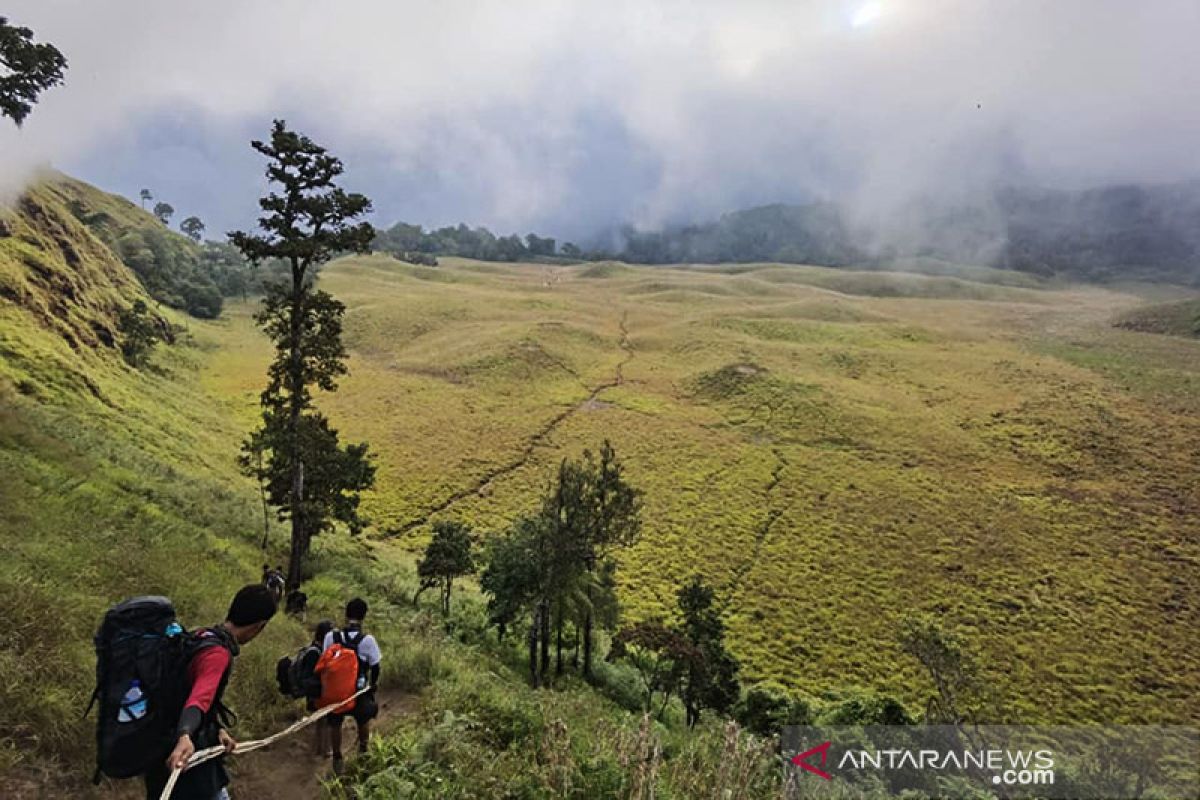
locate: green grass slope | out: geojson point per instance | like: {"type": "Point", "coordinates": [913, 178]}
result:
{"type": "Point", "coordinates": [829, 458]}
{"type": "Point", "coordinates": [115, 482]}
{"type": "Point", "coordinates": [118, 482]}
{"type": "Point", "coordinates": [830, 455]}
{"type": "Point", "coordinates": [165, 262]}
{"type": "Point", "coordinates": [53, 269]}
{"type": "Point", "coordinates": [1180, 318]}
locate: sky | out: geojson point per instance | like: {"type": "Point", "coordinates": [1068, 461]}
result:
{"type": "Point", "coordinates": [570, 117]}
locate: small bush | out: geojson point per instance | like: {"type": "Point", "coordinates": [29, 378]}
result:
{"type": "Point", "coordinates": [860, 707]}
{"type": "Point", "coordinates": [767, 707]}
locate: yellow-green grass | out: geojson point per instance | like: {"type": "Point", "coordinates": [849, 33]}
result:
{"type": "Point", "coordinates": [830, 460]}
{"type": "Point", "coordinates": [120, 482]}
{"type": "Point", "coordinates": [116, 482]}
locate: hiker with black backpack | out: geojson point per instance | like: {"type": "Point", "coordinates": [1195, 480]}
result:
{"type": "Point", "coordinates": [350, 662]}
{"type": "Point", "coordinates": [160, 691]}
{"type": "Point", "coordinates": [297, 677]}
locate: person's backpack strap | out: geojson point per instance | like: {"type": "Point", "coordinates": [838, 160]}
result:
{"type": "Point", "coordinates": [349, 638]}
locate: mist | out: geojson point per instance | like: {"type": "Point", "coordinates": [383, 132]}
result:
{"type": "Point", "coordinates": [567, 118]}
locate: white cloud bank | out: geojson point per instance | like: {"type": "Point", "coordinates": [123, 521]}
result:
{"type": "Point", "coordinates": [567, 116]}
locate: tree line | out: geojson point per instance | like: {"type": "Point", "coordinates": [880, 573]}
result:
{"type": "Point", "coordinates": [413, 243]}
{"type": "Point", "coordinates": [1109, 233]}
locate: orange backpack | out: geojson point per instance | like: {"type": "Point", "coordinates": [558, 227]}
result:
{"type": "Point", "coordinates": [338, 669]}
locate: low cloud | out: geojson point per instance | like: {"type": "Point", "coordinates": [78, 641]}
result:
{"type": "Point", "coordinates": [568, 117]}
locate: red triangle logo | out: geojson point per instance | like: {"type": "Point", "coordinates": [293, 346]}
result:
{"type": "Point", "coordinates": [801, 760]}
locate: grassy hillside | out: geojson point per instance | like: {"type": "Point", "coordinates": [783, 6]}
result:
{"type": "Point", "coordinates": [829, 448]}
{"type": "Point", "coordinates": [119, 481]}
{"type": "Point", "coordinates": [829, 459]}
{"type": "Point", "coordinates": [165, 262]}
{"type": "Point", "coordinates": [116, 482]}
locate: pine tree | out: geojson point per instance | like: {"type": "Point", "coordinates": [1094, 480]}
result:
{"type": "Point", "coordinates": [313, 479]}
{"type": "Point", "coordinates": [710, 679]}
{"type": "Point", "coordinates": [613, 521]}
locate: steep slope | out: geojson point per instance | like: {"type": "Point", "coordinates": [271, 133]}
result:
{"type": "Point", "coordinates": [113, 482]}
{"type": "Point", "coordinates": [52, 216]}
{"type": "Point", "coordinates": [54, 269]}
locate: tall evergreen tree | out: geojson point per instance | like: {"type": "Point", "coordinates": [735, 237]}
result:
{"type": "Point", "coordinates": [515, 579]}
{"type": "Point", "coordinates": [307, 220]}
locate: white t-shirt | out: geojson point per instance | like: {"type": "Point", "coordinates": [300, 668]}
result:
{"type": "Point", "coordinates": [368, 648]}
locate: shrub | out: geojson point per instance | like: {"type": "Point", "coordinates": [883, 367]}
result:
{"type": "Point", "coordinates": [766, 707]}
{"type": "Point", "coordinates": [862, 707]}
{"type": "Point", "coordinates": [413, 667]}
{"type": "Point", "coordinates": [139, 333]}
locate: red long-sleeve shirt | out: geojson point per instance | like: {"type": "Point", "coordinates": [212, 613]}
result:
{"type": "Point", "coordinates": [204, 674]}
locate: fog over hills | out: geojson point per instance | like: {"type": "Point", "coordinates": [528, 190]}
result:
{"type": "Point", "coordinates": [1110, 233]}
{"type": "Point", "coordinates": [569, 118]}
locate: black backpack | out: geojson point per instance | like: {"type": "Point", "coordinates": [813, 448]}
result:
{"type": "Point", "coordinates": [297, 677]}
{"type": "Point", "coordinates": [141, 641]}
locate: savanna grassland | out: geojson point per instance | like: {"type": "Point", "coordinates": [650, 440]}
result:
{"type": "Point", "coordinates": [830, 448]}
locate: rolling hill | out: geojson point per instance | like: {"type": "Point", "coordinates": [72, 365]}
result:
{"type": "Point", "coordinates": [119, 481]}
{"type": "Point", "coordinates": [831, 449]}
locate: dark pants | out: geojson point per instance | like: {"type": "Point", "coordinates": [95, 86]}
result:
{"type": "Point", "coordinates": [204, 782]}
{"type": "Point", "coordinates": [366, 708]}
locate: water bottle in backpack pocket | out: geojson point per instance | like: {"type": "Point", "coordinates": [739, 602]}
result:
{"type": "Point", "coordinates": [133, 703]}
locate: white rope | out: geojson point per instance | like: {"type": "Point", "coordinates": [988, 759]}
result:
{"type": "Point", "coordinates": [209, 753]}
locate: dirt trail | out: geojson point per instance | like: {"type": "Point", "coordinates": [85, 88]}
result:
{"type": "Point", "coordinates": [288, 770]}
{"type": "Point", "coordinates": [774, 512]}
{"type": "Point", "coordinates": [531, 444]}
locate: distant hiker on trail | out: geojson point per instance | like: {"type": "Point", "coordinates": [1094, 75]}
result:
{"type": "Point", "coordinates": [350, 662]}
{"type": "Point", "coordinates": [274, 580]}
{"type": "Point", "coordinates": [297, 602]}
{"type": "Point", "coordinates": [202, 722]}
